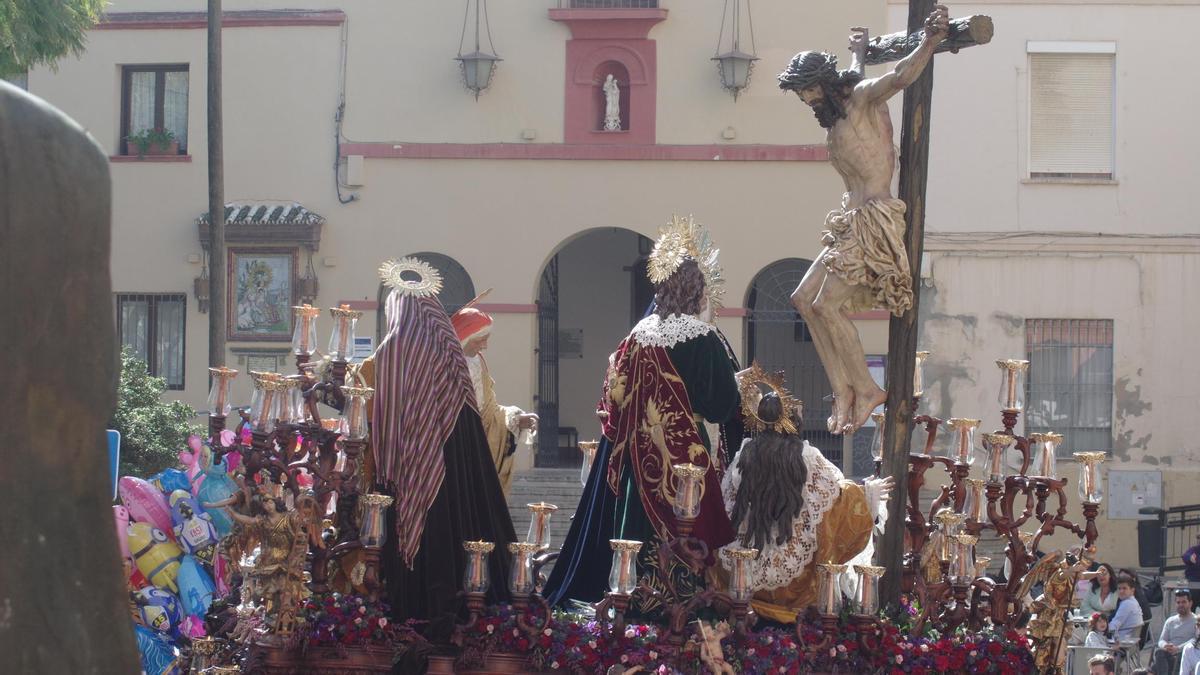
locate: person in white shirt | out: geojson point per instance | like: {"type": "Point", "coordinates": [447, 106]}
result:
{"type": "Point", "coordinates": [1178, 630]}
{"type": "Point", "coordinates": [1189, 661]}
{"type": "Point", "coordinates": [1128, 619]}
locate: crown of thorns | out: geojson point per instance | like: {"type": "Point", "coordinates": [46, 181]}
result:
{"type": "Point", "coordinates": [808, 69]}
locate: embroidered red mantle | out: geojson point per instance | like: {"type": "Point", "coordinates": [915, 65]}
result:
{"type": "Point", "coordinates": [650, 418]}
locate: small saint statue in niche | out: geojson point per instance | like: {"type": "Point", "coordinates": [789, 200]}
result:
{"type": "Point", "coordinates": [612, 104]}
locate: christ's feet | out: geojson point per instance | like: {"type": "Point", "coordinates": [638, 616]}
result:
{"type": "Point", "coordinates": [843, 405]}
{"type": "Point", "coordinates": [864, 404]}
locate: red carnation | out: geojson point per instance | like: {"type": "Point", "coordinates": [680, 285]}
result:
{"type": "Point", "coordinates": [995, 648]}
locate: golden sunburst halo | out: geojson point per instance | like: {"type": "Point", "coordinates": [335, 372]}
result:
{"type": "Point", "coordinates": [684, 238]}
{"type": "Point", "coordinates": [750, 386]}
{"type": "Point", "coordinates": [422, 279]}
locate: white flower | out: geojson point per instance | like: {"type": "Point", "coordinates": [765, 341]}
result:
{"type": "Point", "coordinates": [924, 648]}
{"type": "Point", "coordinates": [629, 633]}
{"type": "Point", "coordinates": [554, 665]}
{"type": "Point", "coordinates": [547, 632]}
{"type": "Point", "coordinates": [783, 669]}
{"type": "Point", "coordinates": [653, 655]}
{"type": "Point", "coordinates": [899, 658]}
{"type": "Point", "coordinates": [383, 622]}
{"type": "Point", "coordinates": [624, 658]}
{"type": "Point", "coordinates": [592, 644]}
{"type": "Point", "coordinates": [769, 639]}
{"type": "Point", "coordinates": [974, 653]}
{"type": "Point", "coordinates": [491, 628]}
{"type": "Point", "coordinates": [841, 648]}
{"type": "Point", "coordinates": [832, 651]}
{"type": "Point", "coordinates": [516, 633]}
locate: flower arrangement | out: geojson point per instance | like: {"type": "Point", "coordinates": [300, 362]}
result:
{"type": "Point", "coordinates": [351, 620]}
{"type": "Point", "coordinates": [574, 644]}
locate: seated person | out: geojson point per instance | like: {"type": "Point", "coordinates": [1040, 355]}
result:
{"type": "Point", "coordinates": [1126, 624]}
{"type": "Point", "coordinates": [1097, 630]}
{"type": "Point", "coordinates": [1178, 630]}
{"type": "Point", "coordinates": [1101, 664]}
{"type": "Point", "coordinates": [1189, 661]}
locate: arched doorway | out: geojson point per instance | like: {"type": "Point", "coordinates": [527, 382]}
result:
{"type": "Point", "coordinates": [591, 293]}
{"type": "Point", "coordinates": [457, 287]}
{"type": "Point", "coordinates": [779, 339]}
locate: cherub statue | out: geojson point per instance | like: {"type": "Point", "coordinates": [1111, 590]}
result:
{"type": "Point", "coordinates": [277, 578]}
{"type": "Point", "coordinates": [711, 654]}
{"type": "Point", "coordinates": [1048, 629]}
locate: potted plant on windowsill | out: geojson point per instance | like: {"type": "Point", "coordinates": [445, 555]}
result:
{"type": "Point", "coordinates": [154, 142]}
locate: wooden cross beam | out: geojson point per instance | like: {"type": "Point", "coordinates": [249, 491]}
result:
{"type": "Point", "coordinates": [968, 32]}
{"type": "Point", "coordinates": [902, 331]}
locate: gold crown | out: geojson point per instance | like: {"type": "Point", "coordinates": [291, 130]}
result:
{"type": "Point", "coordinates": [684, 238]}
{"type": "Point", "coordinates": [428, 281]}
{"type": "Point", "coordinates": [748, 386]}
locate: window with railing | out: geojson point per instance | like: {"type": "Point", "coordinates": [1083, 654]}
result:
{"type": "Point", "coordinates": [609, 4]}
{"type": "Point", "coordinates": [1070, 384]}
{"type": "Point", "coordinates": [152, 325]}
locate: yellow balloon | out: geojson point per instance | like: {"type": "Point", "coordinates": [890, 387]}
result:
{"type": "Point", "coordinates": [156, 556]}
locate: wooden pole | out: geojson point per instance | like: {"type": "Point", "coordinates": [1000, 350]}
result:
{"type": "Point", "coordinates": [902, 331]}
{"type": "Point", "coordinates": [216, 194]}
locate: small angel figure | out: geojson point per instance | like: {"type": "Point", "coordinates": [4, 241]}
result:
{"type": "Point", "coordinates": [1048, 629]}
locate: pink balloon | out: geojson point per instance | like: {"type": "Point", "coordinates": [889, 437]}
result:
{"type": "Point", "coordinates": [219, 576]}
{"type": "Point", "coordinates": [192, 626]}
{"type": "Point", "coordinates": [232, 461]}
{"type": "Point", "coordinates": [121, 518]}
{"type": "Point", "coordinates": [145, 503]}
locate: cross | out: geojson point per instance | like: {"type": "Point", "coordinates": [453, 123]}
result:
{"type": "Point", "coordinates": [902, 331]}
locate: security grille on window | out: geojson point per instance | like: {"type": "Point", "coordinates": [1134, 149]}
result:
{"type": "Point", "coordinates": [1071, 381]}
{"type": "Point", "coordinates": [153, 327]}
{"type": "Point", "coordinates": [154, 97]}
{"type": "Point", "coordinates": [1071, 119]}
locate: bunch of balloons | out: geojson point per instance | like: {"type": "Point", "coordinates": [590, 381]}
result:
{"type": "Point", "coordinates": [169, 526]}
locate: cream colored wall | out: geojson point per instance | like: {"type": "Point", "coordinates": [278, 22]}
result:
{"type": "Point", "coordinates": [985, 281]}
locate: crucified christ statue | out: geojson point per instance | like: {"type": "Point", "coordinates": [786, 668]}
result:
{"type": "Point", "coordinates": [863, 265]}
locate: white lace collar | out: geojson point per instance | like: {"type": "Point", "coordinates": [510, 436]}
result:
{"type": "Point", "coordinates": [655, 331]}
{"type": "Point", "coordinates": [776, 565]}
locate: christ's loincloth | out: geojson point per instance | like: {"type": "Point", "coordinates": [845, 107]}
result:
{"type": "Point", "coordinates": [865, 248]}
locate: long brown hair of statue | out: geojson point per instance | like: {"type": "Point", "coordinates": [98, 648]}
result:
{"type": "Point", "coordinates": [771, 493]}
{"type": "Point", "coordinates": [682, 292]}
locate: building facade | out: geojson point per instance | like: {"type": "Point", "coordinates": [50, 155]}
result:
{"type": "Point", "coordinates": [351, 139]}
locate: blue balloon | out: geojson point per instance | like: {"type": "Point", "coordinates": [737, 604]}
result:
{"type": "Point", "coordinates": [170, 480]}
{"type": "Point", "coordinates": [160, 610]}
{"type": "Point", "coordinates": [217, 487]}
{"type": "Point", "coordinates": [159, 656]}
{"type": "Point", "coordinates": [196, 587]}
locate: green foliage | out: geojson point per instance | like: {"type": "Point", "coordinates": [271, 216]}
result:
{"type": "Point", "coordinates": [39, 32]}
{"type": "Point", "coordinates": [145, 138]}
{"type": "Point", "coordinates": [153, 432]}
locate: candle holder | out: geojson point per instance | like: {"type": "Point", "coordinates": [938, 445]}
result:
{"type": "Point", "coordinates": [962, 439]}
{"type": "Point", "coordinates": [962, 560]}
{"type": "Point", "coordinates": [539, 524]}
{"type": "Point", "coordinates": [520, 579]}
{"type": "Point", "coordinates": [948, 523]}
{"type": "Point", "coordinates": [218, 398]}
{"type": "Point", "coordinates": [622, 580]}
{"type": "Point", "coordinates": [204, 652]}
{"type": "Point", "coordinates": [475, 582]}
{"type": "Point", "coordinates": [919, 374]}
{"type": "Point", "coordinates": [262, 402]}
{"type": "Point", "coordinates": [868, 587]}
{"type": "Point", "coordinates": [372, 532]}
{"type": "Point", "coordinates": [974, 505]}
{"type": "Point", "coordinates": [829, 589]}
{"type": "Point", "coordinates": [304, 335]}
{"type": "Point", "coordinates": [1045, 446]}
{"type": "Point", "coordinates": [356, 411]}
{"type": "Point", "coordinates": [997, 445]}
{"type": "Point", "coordinates": [741, 588]}
{"type": "Point", "coordinates": [877, 437]}
{"type": "Point", "coordinates": [1091, 482]}
{"type": "Point", "coordinates": [1012, 384]}
{"type": "Point", "coordinates": [981, 565]}
{"type": "Point", "coordinates": [588, 448]}
{"type": "Point", "coordinates": [341, 341]}
{"type": "Point", "coordinates": [686, 505]}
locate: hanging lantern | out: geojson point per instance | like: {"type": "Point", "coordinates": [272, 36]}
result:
{"type": "Point", "coordinates": [734, 64]}
{"type": "Point", "coordinates": [478, 66]}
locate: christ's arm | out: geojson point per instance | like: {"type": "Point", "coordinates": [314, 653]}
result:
{"type": "Point", "coordinates": [909, 68]}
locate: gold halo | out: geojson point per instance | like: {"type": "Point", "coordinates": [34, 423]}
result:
{"type": "Point", "coordinates": [751, 395]}
{"type": "Point", "coordinates": [682, 238]}
{"type": "Point", "coordinates": [428, 281]}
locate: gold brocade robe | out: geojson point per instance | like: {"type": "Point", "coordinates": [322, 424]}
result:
{"type": "Point", "coordinates": [842, 534]}
{"type": "Point", "coordinates": [499, 424]}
